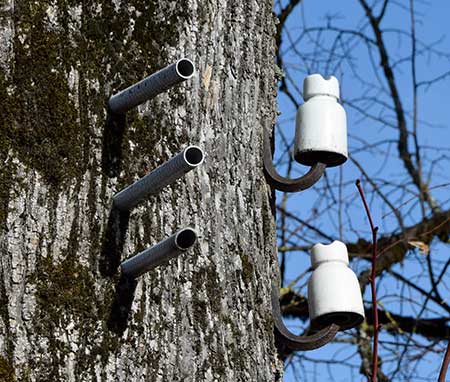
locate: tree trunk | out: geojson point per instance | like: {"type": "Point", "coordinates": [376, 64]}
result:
{"type": "Point", "coordinates": [63, 315]}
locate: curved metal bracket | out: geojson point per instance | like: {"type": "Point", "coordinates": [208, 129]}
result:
{"type": "Point", "coordinates": [286, 340]}
{"type": "Point", "coordinates": [286, 184]}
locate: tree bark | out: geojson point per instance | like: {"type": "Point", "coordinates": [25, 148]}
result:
{"type": "Point", "coordinates": [205, 316]}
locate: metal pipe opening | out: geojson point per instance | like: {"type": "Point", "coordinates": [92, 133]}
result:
{"type": "Point", "coordinates": [160, 177]}
{"type": "Point", "coordinates": [193, 155]}
{"type": "Point", "coordinates": [160, 253]}
{"type": "Point", "coordinates": [151, 86]}
{"type": "Point", "coordinates": [185, 68]}
{"type": "Point", "coordinates": [185, 239]}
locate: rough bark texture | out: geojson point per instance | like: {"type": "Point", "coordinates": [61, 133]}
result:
{"type": "Point", "coordinates": [205, 316]}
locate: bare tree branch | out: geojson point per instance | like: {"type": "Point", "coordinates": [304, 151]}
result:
{"type": "Point", "coordinates": [401, 121]}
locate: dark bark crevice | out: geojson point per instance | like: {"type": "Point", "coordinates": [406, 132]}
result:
{"type": "Point", "coordinates": [121, 307]}
{"type": "Point", "coordinates": [113, 134]}
{"type": "Point", "coordinates": [113, 242]}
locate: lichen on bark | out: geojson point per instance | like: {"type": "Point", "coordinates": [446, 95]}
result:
{"type": "Point", "coordinates": [205, 316]}
{"type": "Point", "coordinates": [6, 371]}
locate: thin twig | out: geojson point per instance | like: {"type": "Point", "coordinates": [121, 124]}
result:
{"type": "Point", "coordinates": [415, 101]}
{"type": "Point", "coordinates": [376, 326]}
{"type": "Point", "coordinates": [445, 364]}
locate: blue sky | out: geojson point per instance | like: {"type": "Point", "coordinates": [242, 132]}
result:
{"type": "Point", "coordinates": [432, 26]}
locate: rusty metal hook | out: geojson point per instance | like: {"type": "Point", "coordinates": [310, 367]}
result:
{"type": "Point", "coordinates": [286, 340]}
{"type": "Point", "coordinates": [287, 184]}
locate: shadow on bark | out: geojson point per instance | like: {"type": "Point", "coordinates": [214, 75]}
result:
{"type": "Point", "coordinates": [112, 144]}
{"type": "Point", "coordinates": [113, 242]}
{"type": "Point", "coordinates": [121, 307]}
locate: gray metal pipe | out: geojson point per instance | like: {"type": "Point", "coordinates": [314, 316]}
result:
{"type": "Point", "coordinates": [160, 177]}
{"type": "Point", "coordinates": [160, 253]}
{"type": "Point", "coordinates": [151, 86]}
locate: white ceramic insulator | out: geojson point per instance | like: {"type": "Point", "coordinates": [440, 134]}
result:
{"type": "Point", "coordinates": [334, 294]}
{"type": "Point", "coordinates": [321, 124]}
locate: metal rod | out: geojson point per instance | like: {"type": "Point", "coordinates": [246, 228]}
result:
{"type": "Point", "coordinates": [153, 182]}
{"type": "Point", "coordinates": [160, 253]}
{"type": "Point", "coordinates": [151, 86]}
